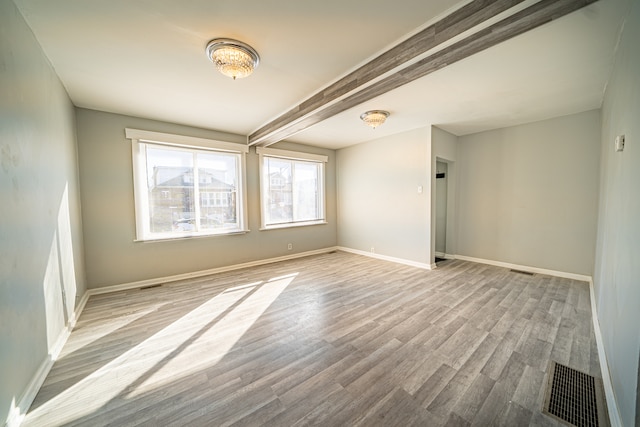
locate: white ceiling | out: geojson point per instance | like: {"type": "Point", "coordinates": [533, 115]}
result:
{"type": "Point", "coordinates": [146, 58]}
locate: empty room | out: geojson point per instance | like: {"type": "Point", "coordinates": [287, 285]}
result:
{"type": "Point", "coordinates": [338, 213]}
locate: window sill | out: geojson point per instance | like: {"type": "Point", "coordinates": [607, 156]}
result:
{"type": "Point", "coordinates": [292, 225]}
{"type": "Point", "coordinates": [188, 236]}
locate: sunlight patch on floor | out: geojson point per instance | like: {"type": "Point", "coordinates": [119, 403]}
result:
{"type": "Point", "coordinates": [85, 338]}
{"type": "Point", "coordinates": [216, 325]}
{"type": "Point", "coordinates": [219, 338]}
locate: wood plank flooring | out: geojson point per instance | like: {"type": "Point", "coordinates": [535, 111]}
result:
{"type": "Point", "coordinates": [334, 340]}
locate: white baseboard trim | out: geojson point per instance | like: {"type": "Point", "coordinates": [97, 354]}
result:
{"type": "Point", "coordinates": [175, 278]}
{"type": "Point", "coordinates": [80, 308]}
{"type": "Point", "coordinates": [387, 258]}
{"type": "Point", "coordinates": [537, 270]}
{"type": "Point", "coordinates": [612, 406]}
{"type": "Point", "coordinates": [18, 412]}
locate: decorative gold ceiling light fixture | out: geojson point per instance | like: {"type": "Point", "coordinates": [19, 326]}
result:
{"type": "Point", "coordinates": [232, 57]}
{"type": "Point", "coordinates": [374, 118]}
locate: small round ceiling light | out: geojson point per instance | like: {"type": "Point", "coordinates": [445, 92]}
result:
{"type": "Point", "coordinates": [232, 57]}
{"type": "Point", "coordinates": [374, 118]}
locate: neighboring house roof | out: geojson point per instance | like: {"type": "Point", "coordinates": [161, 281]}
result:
{"type": "Point", "coordinates": [173, 176]}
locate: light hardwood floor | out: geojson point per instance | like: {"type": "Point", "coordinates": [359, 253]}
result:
{"type": "Point", "coordinates": [335, 340]}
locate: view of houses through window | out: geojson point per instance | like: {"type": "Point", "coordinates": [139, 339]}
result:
{"type": "Point", "coordinates": [187, 186]}
{"type": "Point", "coordinates": [191, 190]}
{"type": "Point", "coordinates": [292, 191]}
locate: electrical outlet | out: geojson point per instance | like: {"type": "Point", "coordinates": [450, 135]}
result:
{"type": "Point", "coordinates": [289, 246]}
{"type": "Point", "coordinates": [619, 142]}
{"type": "Point", "coordinates": [373, 250]}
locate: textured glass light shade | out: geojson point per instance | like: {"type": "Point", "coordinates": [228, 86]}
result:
{"type": "Point", "coordinates": [374, 118]}
{"type": "Point", "coordinates": [232, 58]}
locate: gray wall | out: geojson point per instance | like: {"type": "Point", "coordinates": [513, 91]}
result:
{"type": "Point", "coordinates": [378, 201]}
{"type": "Point", "coordinates": [528, 194]}
{"type": "Point", "coordinates": [41, 264]}
{"type": "Point", "coordinates": [617, 269]}
{"type": "Point", "coordinates": [108, 210]}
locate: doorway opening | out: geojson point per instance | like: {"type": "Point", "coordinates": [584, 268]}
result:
{"type": "Point", "coordinates": [441, 177]}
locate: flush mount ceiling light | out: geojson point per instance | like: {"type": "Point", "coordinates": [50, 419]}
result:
{"type": "Point", "coordinates": [232, 57]}
{"type": "Point", "coordinates": [374, 118]}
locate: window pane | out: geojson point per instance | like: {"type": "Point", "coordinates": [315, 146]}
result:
{"type": "Point", "coordinates": [279, 205]}
{"type": "Point", "coordinates": [292, 191]}
{"type": "Point", "coordinates": [190, 189]}
{"type": "Point", "coordinates": [218, 183]}
{"type": "Point", "coordinates": [306, 191]}
{"type": "Point", "coordinates": [170, 186]}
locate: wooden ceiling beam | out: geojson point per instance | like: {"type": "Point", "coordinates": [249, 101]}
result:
{"type": "Point", "coordinates": [353, 90]}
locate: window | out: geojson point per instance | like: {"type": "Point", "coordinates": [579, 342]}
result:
{"type": "Point", "coordinates": [186, 186]}
{"type": "Point", "coordinates": [291, 188]}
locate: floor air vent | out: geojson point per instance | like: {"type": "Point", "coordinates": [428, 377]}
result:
{"type": "Point", "coordinates": [149, 287]}
{"type": "Point", "coordinates": [574, 397]}
{"type": "Point", "coordinates": [526, 273]}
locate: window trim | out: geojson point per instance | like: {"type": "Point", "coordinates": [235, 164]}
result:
{"type": "Point", "coordinates": [291, 155]}
{"type": "Point", "coordinates": [141, 208]}
{"type": "Point", "coordinates": [136, 135]}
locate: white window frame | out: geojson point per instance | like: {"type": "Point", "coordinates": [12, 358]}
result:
{"type": "Point", "coordinates": [139, 139]}
{"type": "Point", "coordinates": [264, 180]}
